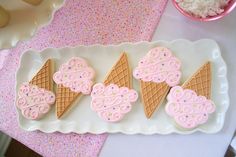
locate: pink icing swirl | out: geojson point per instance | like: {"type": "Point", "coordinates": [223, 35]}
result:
{"type": "Point", "coordinates": [76, 75]}
{"type": "Point", "coordinates": [159, 65]}
{"type": "Point", "coordinates": [33, 101]}
{"type": "Point", "coordinates": [188, 109]}
{"type": "Point", "coordinates": [111, 102]}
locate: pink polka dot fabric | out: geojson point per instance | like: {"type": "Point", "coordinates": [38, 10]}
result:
{"type": "Point", "coordinates": [78, 22]}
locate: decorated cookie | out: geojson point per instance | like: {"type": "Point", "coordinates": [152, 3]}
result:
{"type": "Point", "coordinates": [36, 97]}
{"type": "Point", "coordinates": [190, 104]}
{"type": "Point", "coordinates": [33, 101]}
{"type": "Point", "coordinates": [113, 99]}
{"type": "Point", "coordinates": [111, 102]}
{"type": "Point", "coordinates": [187, 108]}
{"type": "Point", "coordinates": [159, 65]}
{"type": "Point", "coordinates": [76, 75]}
{"type": "Point", "coordinates": [157, 71]}
{"type": "Point", "coordinates": [73, 79]}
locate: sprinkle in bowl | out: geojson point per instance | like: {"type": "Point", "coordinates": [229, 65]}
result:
{"type": "Point", "coordinates": [227, 9]}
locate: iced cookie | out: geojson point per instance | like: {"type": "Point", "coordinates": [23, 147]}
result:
{"type": "Point", "coordinates": [33, 101]}
{"type": "Point", "coordinates": [113, 99]}
{"type": "Point", "coordinates": [111, 102]}
{"type": "Point", "coordinates": [157, 71]}
{"type": "Point", "coordinates": [36, 97]}
{"type": "Point", "coordinates": [190, 105]}
{"type": "Point", "coordinates": [74, 78]}
{"type": "Point", "coordinates": [4, 17]}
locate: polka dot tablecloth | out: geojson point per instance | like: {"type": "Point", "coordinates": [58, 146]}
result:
{"type": "Point", "coordinates": [78, 22]}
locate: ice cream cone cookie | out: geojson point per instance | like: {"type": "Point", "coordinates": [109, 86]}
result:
{"type": "Point", "coordinates": [74, 78]}
{"type": "Point", "coordinates": [158, 70]}
{"type": "Point", "coordinates": [36, 97]}
{"type": "Point", "coordinates": [190, 105]}
{"type": "Point", "coordinates": [113, 98]}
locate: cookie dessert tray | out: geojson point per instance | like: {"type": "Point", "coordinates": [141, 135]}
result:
{"type": "Point", "coordinates": [25, 19]}
{"type": "Point", "coordinates": [81, 119]}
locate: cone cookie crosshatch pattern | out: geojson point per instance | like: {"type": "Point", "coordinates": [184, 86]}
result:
{"type": "Point", "coordinates": [64, 99]}
{"type": "Point", "coordinates": [74, 79]}
{"type": "Point", "coordinates": [157, 71]}
{"type": "Point", "coordinates": [200, 82]}
{"type": "Point", "coordinates": [190, 104]}
{"type": "Point", "coordinates": [43, 78]}
{"type": "Point", "coordinates": [153, 95]}
{"type": "Point", "coordinates": [36, 97]}
{"type": "Point", "coordinates": [120, 73]}
{"type": "Point", "coordinates": [113, 99]}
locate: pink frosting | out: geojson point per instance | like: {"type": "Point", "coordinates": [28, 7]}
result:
{"type": "Point", "coordinates": [111, 102]}
{"type": "Point", "coordinates": [76, 75]}
{"type": "Point", "coordinates": [188, 109]}
{"type": "Point", "coordinates": [33, 101]}
{"type": "Point", "coordinates": [159, 65]}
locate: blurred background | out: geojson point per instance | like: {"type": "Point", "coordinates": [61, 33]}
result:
{"type": "Point", "coordinates": [12, 148]}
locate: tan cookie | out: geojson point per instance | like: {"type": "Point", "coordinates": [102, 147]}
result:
{"type": "Point", "coordinates": [157, 71]}
{"type": "Point", "coordinates": [74, 79]}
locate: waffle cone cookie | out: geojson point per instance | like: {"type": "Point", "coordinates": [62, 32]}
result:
{"type": "Point", "coordinates": [120, 73]}
{"type": "Point", "coordinates": [65, 98]}
{"type": "Point", "coordinates": [113, 99]}
{"type": "Point", "coordinates": [73, 80]}
{"type": "Point", "coordinates": [190, 104]}
{"type": "Point", "coordinates": [43, 79]}
{"type": "Point", "coordinates": [153, 95]}
{"type": "Point", "coordinates": [200, 82]}
{"type": "Point", "coordinates": [36, 97]}
{"type": "Point", "coordinates": [157, 71]}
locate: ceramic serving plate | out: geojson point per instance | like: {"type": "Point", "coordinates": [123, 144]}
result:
{"type": "Point", "coordinates": [81, 119]}
{"type": "Point", "coordinates": [25, 20]}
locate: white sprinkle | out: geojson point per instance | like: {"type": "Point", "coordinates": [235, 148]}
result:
{"type": "Point", "coordinates": [203, 8]}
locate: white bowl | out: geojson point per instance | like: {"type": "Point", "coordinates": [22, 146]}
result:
{"type": "Point", "coordinates": [25, 20]}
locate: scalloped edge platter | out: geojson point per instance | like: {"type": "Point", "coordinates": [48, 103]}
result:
{"type": "Point", "coordinates": [25, 20]}
{"type": "Point", "coordinates": [81, 119]}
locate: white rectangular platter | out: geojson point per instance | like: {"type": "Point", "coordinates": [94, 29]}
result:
{"type": "Point", "coordinates": [81, 119]}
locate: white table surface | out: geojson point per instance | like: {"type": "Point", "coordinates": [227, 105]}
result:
{"type": "Point", "coordinates": [172, 26]}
